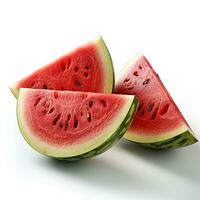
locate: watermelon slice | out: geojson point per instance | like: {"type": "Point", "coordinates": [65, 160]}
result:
{"type": "Point", "coordinates": [88, 68]}
{"type": "Point", "coordinates": [158, 124]}
{"type": "Point", "coordinates": [73, 125]}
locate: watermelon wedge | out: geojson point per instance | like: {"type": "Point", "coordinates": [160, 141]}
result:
{"type": "Point", "coordinates": [73, 125]}
{"type": "Point", "coordinates": [158, 123]}
{"type": "Point", "coordinates": [88, 68]}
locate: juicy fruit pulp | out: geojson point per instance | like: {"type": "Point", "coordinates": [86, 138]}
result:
{"type": "Point", "coordinates": [73, 125]}
{"type": "Point", "coordinates": [87, 68]}
{"type": "Point", "coordinates": [158, 119]}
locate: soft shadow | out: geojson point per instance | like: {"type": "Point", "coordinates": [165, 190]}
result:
{"type": "Point", "coordinates": [184, 161]}
{"type": "Point", "coordinates": [102, 173]}
{"type": "Point", "coordinates": [111, 175]}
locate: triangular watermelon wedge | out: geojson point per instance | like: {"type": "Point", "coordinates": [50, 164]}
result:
{"type": "Point", "coordinates": [88, 68]}
{"type": "Point", "coordinates": [158, 123]}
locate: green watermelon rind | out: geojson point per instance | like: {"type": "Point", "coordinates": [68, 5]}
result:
{"type": "Point", "coordinates": [107, 67]}
{"type": "Point", "coordinates": [108, 140]}
{"type": "Point", "coordinates": [139, 138]}
{"type": "Point", "coordinates": [182, 140]}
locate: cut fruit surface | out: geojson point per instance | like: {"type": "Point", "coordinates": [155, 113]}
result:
{"type": "Point", "coordinates": [88, 68]}
{"type": "Point", "coordinates": [73, 125]}
{"type": "Point", "coordinates": [158, 122]}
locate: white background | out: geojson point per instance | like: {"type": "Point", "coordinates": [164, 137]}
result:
{"type": "Point", "coordinates": [33, 33]}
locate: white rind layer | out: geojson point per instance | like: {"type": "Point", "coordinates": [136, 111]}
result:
{"type": "Point", "coordinates": [143, 138]}
{"type": "Point", "coordinates": [107, 63]}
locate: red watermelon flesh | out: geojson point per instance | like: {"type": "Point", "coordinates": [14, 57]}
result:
{"type": "Point", "coordinates": [73, 117]}
{"type": "Point", "coordinates": [87, 68]}
{"type": "Point", "coordinates": [65, 123]}
{"type": "Point", "coordinates": [157, 117]}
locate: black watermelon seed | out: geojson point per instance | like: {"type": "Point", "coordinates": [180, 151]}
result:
{"type": "Point", "coordinates": [146, 81]}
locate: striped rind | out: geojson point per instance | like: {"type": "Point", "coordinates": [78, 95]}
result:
{"type": "Point", "coordinates": [179, 137]}
{"type": "Point", "coordinates": [182, 140]}
{"type": "Point", "coordinates": [139, 136]}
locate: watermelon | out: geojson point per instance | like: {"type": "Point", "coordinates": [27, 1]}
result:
{"type": "Point", "coordinates": [158, 123]}
{"type": "Point", "coordinates": [73, 125]}
{"type": "Point", "coordinates": [88, 68]}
